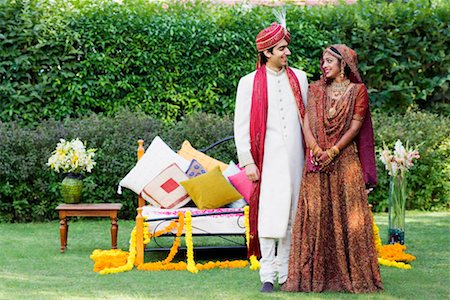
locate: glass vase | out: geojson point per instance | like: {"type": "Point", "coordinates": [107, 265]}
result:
{"type": "Point", "coordinates": [397, 200]}
{"type": "Point", "coordinates": [72, 188]}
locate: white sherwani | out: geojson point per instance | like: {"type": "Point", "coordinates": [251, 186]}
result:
{"type": "Point", "coordinates": [283, 149]}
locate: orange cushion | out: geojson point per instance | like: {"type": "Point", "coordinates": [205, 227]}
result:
{"type": "Point", "coordinates": [188, 152]}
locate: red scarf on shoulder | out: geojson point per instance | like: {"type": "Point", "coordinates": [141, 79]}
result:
{"type": "Point", "coordinates": [258, 122]}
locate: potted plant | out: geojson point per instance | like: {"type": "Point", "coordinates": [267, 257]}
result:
{"type": "Point", "coordinates": [72, 159]}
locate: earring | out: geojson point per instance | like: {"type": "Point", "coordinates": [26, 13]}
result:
{"type": "Point", "coordinates": [342, 69]}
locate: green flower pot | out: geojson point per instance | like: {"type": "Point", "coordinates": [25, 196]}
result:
{"type": "Point", "coordinates": [72, 188]}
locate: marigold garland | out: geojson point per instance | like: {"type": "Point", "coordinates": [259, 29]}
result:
{"type": "Point", "coordinates": [108, 259]}
{"type": "Point", "coordinates": [168, 229]}
{"type": "Point", "coordinates": [191, 267]}
{"type": "Point", "coordinates": [391, 255]}
{"type": "Point", "coordinates": [118, 268]}
{"type": "Point", "coordinates": [395, 264]}
{"type": "Point", "coordinates": [166, 263]}
{"type": "Point", "coordinates": [222, 265]}
{"type": "Point", "coordinates": [254, 263]}
{"type": "Point", "coordinates": [176, 243]}
{"type": "Point", "coordinates": [159, 266]}
{"type": "Point", "coordinates": [396, 253]}
{"type": "Point", "coordinates": [376, 236]}
{"type": "Point", "coordinates": [115, 261]}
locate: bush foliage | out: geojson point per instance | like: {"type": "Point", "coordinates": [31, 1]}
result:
{"type": "Point", "coordinates": [428, 181]}
{"type": "Point", "coordinates": [30, 191]}
{"type": "Point", "coordinates": [70, 58]}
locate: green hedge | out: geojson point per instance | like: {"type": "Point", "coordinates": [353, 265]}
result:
{"type": "Point", "coordinates": [30, 191]}
{"type": "Point", "coordinates": [70, 58]}
{"type": "Point", "coordinates": [428, 181]}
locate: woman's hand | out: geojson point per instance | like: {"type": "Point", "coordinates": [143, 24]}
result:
{"type": "Point", "coordinates": [369, 190]}
{"type": "Point", "coordinates": [252, 172]}
{"type": "Point", "coordinates": [322, 157]}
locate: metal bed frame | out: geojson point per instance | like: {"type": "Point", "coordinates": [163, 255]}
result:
{"type": "Point", "coordinates": [139, 220]}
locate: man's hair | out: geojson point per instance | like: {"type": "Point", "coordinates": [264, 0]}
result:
{"type": "Point", "coordinates": [262, 57]}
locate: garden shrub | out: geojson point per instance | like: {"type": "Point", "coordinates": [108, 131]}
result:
{"type": "Point", "coordinates": [428, 181]}
{"type": "Point", "coordinates": [401, 49]}
{"type": "Point", "coordinates": [30, 190]}
{"type": "Point", "coordinates": [202, 130]}
{"type": "Point", "coordinates": [71, 58]}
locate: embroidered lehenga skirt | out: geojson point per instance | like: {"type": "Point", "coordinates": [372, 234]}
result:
{"type": "Point", "coordinates": [332, 240]}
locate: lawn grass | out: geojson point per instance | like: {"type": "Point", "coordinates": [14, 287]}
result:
{"type": "Point", "coordinates": [32, 267]}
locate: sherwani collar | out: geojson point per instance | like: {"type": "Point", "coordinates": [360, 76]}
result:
{"type": "Point", "coordinates": [275, 73]}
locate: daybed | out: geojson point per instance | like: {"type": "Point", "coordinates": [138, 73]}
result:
{"type": "Point", "coordinates": [223, 221]}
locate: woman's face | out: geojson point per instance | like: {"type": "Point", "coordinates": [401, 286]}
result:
{"type": "Point", "coordinates": [331, 66]}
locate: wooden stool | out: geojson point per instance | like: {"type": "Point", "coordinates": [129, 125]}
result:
{"type": "Point", "coordinates": [87, 210]}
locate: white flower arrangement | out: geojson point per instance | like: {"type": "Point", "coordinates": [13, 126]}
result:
{"type": "Point", "coordinates": [399, 161]}
{"type": "Point", "coordinates": [72, 157]}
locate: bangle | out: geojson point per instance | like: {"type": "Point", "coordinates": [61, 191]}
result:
{"type": "Point", "coordinates": [330, 154]}
{"type": "Point", "coordinates": [335, 150]}
{"type": "Point", "coordinates": [316, 150]}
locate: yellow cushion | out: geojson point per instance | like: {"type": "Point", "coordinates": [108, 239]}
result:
{"type": "Point", "coordinates": [188, 152]}
{"type": "Point", "coordinates": [211, 190]}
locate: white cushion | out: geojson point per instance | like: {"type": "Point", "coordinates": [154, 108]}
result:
{"type": "Point", "coordinates": [165, 190]}
{"type": "Point", "coordinates": [231, 170]}
{"type": "Point", "coordinates": [237, 204]}
{"type": "Point", "coordinates": [156, 158]}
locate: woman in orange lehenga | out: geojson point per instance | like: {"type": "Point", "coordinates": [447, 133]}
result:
{"type": "Point", "coordinates": [332, 242]}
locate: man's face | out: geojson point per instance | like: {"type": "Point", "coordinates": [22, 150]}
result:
{"type": "Point", "coordinates": [279, 56]}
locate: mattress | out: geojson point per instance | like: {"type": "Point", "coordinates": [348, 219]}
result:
{"type": "Point", "coordinates": [225, 221]}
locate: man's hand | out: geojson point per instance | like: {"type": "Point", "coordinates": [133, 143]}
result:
{"type": "Point", "coordinates": [252, 172]}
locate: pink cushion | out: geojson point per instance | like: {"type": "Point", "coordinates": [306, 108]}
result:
{"type": "Point", "coordinates": [242, 184]}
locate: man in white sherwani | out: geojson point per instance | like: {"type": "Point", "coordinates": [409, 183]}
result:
{"type": "Point", "coordinates": [267, 127]}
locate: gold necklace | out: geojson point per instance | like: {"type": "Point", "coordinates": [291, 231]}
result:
{"type": "Point", "coordinates": [339, 87]}
{"type": "Point", "coordinates": [337, 90]}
